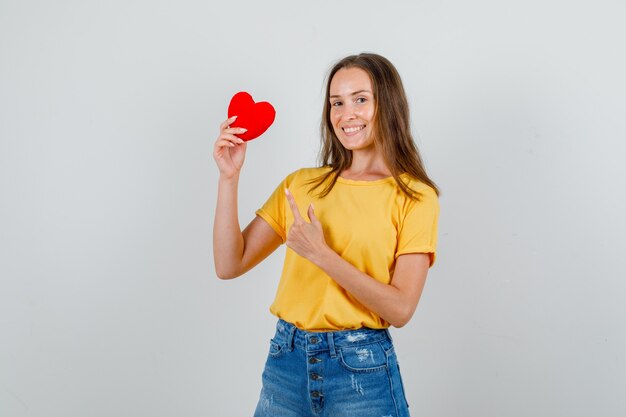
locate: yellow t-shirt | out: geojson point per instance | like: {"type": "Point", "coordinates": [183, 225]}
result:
{"type": "Point", "coordinates": [368, 223]}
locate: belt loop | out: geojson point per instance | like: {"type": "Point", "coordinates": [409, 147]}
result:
{"type": "Point", "coordinates": [290, 337]}
{"type": "Point", "coordinates": [331, 345]}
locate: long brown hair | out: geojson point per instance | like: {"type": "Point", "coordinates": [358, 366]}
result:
{"type": "Point", "coordinates": [392, 131]}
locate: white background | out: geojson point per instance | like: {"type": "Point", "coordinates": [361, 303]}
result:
{"type": "Point", "coordinates": [109, 305]}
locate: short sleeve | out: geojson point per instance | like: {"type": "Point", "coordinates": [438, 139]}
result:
{"type": "Point", "coordinates": [418, 231]}
{"type": "Point", "coordinates": [273, 211]}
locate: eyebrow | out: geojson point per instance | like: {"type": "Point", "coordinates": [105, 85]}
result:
{"type": "Point", "coordinates": [353, 94]}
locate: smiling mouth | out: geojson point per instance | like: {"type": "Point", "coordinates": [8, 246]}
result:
{"type": "Point", "coordinates": [353, 129]}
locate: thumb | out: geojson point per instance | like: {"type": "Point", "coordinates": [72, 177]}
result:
{"type": "Point", "coordinates": [312, 217]}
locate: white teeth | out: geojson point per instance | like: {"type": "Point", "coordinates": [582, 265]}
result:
{"type": "Point", "coordinates": [352, 129]}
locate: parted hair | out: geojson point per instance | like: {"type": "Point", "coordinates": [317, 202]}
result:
{"type": "Point", "coordinates": [391, 127]}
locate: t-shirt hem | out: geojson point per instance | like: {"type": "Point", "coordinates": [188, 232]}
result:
{"type": "Point", "coordinates": [314, 328]}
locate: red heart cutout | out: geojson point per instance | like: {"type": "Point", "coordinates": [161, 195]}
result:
{"type": "Point", "coordinates": [256, 117]}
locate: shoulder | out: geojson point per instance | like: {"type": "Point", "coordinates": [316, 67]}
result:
{"type": "Point", "coordinates": [417, 185]}
{"type": "Point", "coordinates": [426, 193]}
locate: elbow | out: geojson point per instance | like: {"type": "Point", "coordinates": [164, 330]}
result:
{"type": "Point", "coordinates": [398, 323]}
{"type": "Point", "coordinates": [224, 277]}
{"type": "Point", "coordinates": [402, 318]}
{"type": "Point", "coordinates": [225, 274]}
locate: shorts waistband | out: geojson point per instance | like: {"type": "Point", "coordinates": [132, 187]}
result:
{"type": "Point", "coordinates": [312, 341]}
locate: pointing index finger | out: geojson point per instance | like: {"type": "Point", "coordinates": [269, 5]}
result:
{"type": "Point", "coordinates": [293, 205]}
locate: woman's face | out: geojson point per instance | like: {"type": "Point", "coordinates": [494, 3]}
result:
{"type": "Point", "coordinates": [352, 108]}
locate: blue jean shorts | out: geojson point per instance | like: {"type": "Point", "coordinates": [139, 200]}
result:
{"type": "Point", "coordinates": [347, 373]}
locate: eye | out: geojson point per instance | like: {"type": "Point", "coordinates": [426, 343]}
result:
{"type": "Point", "coordinates": [361, 100]}
{"type": "Point", "coordinates": [336, 103]}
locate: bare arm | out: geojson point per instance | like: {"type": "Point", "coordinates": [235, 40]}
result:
{"type": "Point", "coordinates": [395, 303]}
{"type": "Point", "coordinates": [235, 252]}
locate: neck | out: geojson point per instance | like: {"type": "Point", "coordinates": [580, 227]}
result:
{"type": "Point", "coordinates": [366, 164]}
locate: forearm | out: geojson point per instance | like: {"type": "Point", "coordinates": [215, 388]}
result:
{"type": "Point", "coordinates": [228, 241]}
{"type": "Point", "coordinates": [385, 300]}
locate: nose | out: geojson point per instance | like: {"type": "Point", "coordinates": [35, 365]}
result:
{"type": "Point", "coordinates": [349, 112]}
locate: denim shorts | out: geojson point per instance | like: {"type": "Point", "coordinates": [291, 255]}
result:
{"type": "Point", "coordinates": [347, 373]}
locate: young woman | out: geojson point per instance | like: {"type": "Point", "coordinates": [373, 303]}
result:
{"type": "Point", "coordinates": [361, 233]}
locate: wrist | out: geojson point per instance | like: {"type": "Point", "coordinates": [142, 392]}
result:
{"type": "Point", "coordinates": [229, 179]}
{"type": "Point", "coordinates": [324, 257]}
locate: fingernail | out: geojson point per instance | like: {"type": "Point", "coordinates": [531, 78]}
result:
{"type": "Point", "coordinates": [244, 129]}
